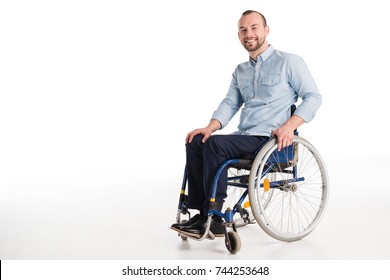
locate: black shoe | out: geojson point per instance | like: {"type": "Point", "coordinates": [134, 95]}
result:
{"type": "Point", "coordinates": [217, 227]}
{"type": "Point", "coordinates": [197, 229]}
{"type": "Point", "coordinates": [177, 226]}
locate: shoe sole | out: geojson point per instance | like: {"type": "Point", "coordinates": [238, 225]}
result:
{"type": "Point", "coordinates": [175, 229]}
{"type": "Point", "coordinates": [198, 235]}
{"type": "Point", "coordinates": [190, 234]}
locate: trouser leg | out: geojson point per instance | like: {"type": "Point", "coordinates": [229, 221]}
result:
{"type": "Point", "coordinates": [194, 166]}
{"type": "Point", "coordinates": [218, 149]}
{"type": "Point", "coordinates": [204, 159]}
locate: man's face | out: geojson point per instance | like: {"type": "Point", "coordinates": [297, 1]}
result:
{"type": "Point", "coordinates": [252, 32]}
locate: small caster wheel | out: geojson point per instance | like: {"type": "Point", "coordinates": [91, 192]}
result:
{"type": "Point", "coordinates": [233, 244]}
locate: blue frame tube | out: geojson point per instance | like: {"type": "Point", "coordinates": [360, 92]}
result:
{"type": "Point", "coordinates": [216, 178]}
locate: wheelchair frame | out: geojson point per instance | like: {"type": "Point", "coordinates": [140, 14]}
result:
{"type": "Point", "coordinates": [297, 173]}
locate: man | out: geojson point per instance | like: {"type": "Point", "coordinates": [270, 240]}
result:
{"type": "Point", "coordinates": [266, 87]}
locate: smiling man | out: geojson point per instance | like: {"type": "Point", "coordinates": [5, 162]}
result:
{"type": "Point", "coordinates": [252, 32]}
{"type": "Point", "coordinates": [264, 88]}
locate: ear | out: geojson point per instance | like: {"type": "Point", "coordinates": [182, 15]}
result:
{"type": "Point", "coordinates": [266, 30]}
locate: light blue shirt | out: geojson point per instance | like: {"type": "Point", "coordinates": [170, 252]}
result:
{"type": "Point", "coordinates": [266, 89]}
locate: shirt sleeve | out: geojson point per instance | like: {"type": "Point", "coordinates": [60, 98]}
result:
{"type": "Point", "coordinates": [229, 105]}
{"type": "Point", "coordinates": [303, 84]}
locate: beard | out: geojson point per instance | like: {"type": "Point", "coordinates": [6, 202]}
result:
{"type": "Point", "coordinates": [254, 47]}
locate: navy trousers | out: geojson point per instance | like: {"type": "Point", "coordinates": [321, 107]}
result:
{"type": "Point", "coordinates": [204, 160]}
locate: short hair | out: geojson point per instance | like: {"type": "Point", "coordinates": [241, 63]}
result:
{"type": "Point", "coordinates": [247, 12]}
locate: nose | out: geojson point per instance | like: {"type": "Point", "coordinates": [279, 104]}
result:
{"type": "Point", "coordinates": [248, 33]}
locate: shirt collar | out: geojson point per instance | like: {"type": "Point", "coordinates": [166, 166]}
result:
{"type": "Point", "coordinates": [263, 56]}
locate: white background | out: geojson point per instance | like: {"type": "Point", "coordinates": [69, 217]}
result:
{"type": "Point", "coordinates": [96, 98]}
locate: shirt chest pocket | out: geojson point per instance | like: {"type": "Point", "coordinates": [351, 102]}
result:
{"type": "Point", "coordinates": [270, 81]}
{"type": "Point", "coordinates": [266, 89]}
{"type": "Point", "coordinates": [270, 87]}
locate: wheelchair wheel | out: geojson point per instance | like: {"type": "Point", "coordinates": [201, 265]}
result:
{"type": "Point", "coordinates": [233, 244]}
{"type": "Point", "coordinates": [298, 180]}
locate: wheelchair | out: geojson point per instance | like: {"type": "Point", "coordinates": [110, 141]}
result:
{"type": "Point", "coordinates": [285, 192]}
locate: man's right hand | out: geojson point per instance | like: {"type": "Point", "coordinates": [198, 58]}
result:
{"type": "Point", "coordinates": [206, 131]}
{"type": "Point", "coordinates": [203, 131]}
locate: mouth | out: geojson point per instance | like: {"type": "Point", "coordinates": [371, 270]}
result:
{"type": "Point", "coordinates": [250, 40]}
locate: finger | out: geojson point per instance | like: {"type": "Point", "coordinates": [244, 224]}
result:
{"type": "Point", "coordinates": [286, 143]}
{"type": "Point", "coordinates": [205, 138]}
{"type": "Point", "coordinates": [190, 136]}
{"type": "Point", "coordinates": [280, 144]}
{"type": "Point", "coordinates": [289, 141]}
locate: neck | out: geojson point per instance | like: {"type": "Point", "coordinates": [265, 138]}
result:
{"type": "Point", "coordinates": [259, 51]}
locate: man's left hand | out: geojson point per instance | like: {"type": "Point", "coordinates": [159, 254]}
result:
{"type": "Point", "coordinates": [285, 133]}
{"type": "Point", "coordinates": [284, 136]}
